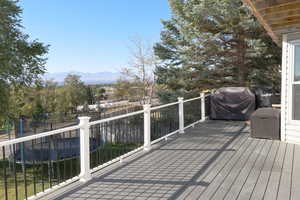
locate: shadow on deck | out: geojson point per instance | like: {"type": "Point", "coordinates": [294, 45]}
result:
{"type": "Point", "coordinates": [214, 160]}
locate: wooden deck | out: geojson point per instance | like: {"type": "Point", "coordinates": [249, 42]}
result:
{"type": "Point", "coordinates": [214, 160]}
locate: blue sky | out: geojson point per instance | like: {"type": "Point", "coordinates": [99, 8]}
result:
{"type": "Point", "coordinates": [93, 35]}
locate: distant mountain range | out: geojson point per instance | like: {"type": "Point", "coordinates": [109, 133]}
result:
{"type": "Point", "coordinates": [87, 78]}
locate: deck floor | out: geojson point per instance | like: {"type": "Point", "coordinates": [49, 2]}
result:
{"type": "Point", "coordinates": [214, 160]}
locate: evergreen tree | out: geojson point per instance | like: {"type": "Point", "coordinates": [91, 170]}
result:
{"type": "Point", "coordinates": [90, 95]}
{"type": "Point", "coordinates": [214, 43]}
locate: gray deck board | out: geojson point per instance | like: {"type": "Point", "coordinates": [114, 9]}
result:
{"type": "Point", "coordinates": [215, 160]}
{"type": "Point", "coordinates": [272, 188]}
{"type": "Point", "coordinates": [284, 189]}
{"type": "Point", "coordinates": [248, 186]}
{"type": "Point", "coordinates": [261, 184]}
{"type": "Point", "coordinates": [214, 169]}
{"type": "Point", "coordinates": [295, 191]}
{"type": "Point", "coordinates": [225, 186]}
{"type": "Point", "coordinates": [209, 191]}
{"type": "Point", "coordinates": [236, 187]}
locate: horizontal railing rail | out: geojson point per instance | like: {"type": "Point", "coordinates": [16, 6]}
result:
{"type": "Point", "coordinates": [116, 117]}
{"type": "Point", "coordinates": [193, 99]}
{"type": "Point", "coordinates": [37, 136]}
{"type": "Point", "coordinates": [163, 106]}
{"type": "Point", "coordinates": [36, 165]}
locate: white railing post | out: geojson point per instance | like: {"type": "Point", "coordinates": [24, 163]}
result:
{"type": "Point", "coordinates": [147, 127]}
{"type": "Point", "coordinates": [202, 95]}
{"type": "Point", "coordinates": [85, 170]}
{"type": "Point", "coordinates": [181, 115]}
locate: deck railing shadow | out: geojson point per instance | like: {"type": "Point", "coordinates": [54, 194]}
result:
{"type": "Point", "coordinates": [210, 162]}
{"type": "Point", "coordinates": [127, 176]}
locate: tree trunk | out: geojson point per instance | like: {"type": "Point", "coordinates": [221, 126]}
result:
{"type": "Point", "coordinates": [242, 67]}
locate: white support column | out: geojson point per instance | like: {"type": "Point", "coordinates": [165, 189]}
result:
{"type": "Point", "coordinates": [284, 87]}
{"type": "Point", "coordinates": [147, 127]}
{"type": "Point", "coordinates": [181, 115]}
{"type": "Point", "coordinates": [85, 171]}
{"type": "Point", "coordinates": [202, 95]}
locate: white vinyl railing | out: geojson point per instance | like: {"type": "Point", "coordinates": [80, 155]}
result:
{"type": "Point", "coordinates": [84, 135]}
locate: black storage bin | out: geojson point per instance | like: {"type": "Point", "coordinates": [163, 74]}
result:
{"type": "Point", "coordinates": [263, 98]}
{"type": "Point", "coordinates": [265, 123]}
{"type": "Point", "coordinates": [266, 97]}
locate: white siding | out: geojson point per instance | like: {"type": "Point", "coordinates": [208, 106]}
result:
{"type": "Point", "coordinates": [290, 131]}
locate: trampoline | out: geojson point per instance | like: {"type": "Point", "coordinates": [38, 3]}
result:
{"type": "Point", "coordinates": [54, 149]}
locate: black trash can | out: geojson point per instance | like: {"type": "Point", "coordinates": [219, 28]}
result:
{"type": "Point", "coordinates": [265, 97]}
{"type": "Point", "coordinates": [265, 123]}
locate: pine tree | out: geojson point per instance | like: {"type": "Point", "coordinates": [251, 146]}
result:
{"type": "Point", "coordinates": [214, 43]}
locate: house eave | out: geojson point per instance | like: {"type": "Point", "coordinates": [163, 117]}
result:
{"type": "Point", "coordinates": [278, 17]}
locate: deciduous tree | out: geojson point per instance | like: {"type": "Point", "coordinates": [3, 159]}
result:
{"type": "Point", "coordinates": [21, 60]}
{"type": "Point", "coordinates": [72, 94]}
{"type": "Point", "coordinates": [140, 70]}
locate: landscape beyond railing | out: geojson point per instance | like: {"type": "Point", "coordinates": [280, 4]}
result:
{"type": "Point", "coordinates": [36, 165]}
{"type": "Point", "coordinates": [28, 126]}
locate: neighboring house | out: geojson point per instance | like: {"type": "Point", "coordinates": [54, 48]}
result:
{"type": "Point", "coordinates": [109, 92]}
{"type": "Point", "coordinates": [105, 104]}
{"type": "Point", "coordinates": [281, 19]}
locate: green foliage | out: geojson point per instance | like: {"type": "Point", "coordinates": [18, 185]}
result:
{"type": "Point", "coordinates": [43, 99]}
{"type": "Point", "coordinates": [90, 95]}
{"type": "Point", "coordinates": [167, 95]}
{"type": "Point", "coordinates": [125, 89]}
{"type": "Point", "coordinates": [72, 94]}
{"type": "Point", "coordinates": [214, 43]}
{"type": "Point", "coordinates": [21, 60]}
{"type": "Point", "coordinates": [100, 94]}
{"type": "Point", "coordinates": [26, 101]}
{"type": "Point", "coordinates": [4, 99]}
{"type": "Point", "coordinates": [49, 96]}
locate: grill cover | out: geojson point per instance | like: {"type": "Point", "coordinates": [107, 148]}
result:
{"type": "Point", "coordinates": [232, 103]}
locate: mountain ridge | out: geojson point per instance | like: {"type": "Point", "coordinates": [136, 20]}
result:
{"type": "Point", "coordinates": [103, 77]}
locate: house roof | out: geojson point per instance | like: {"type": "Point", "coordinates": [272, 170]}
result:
{"type": "Point", "coordinates": [277, 16]}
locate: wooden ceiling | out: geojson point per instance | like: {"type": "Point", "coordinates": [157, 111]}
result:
{"type": "Point", "coordinates": [277, 16]}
